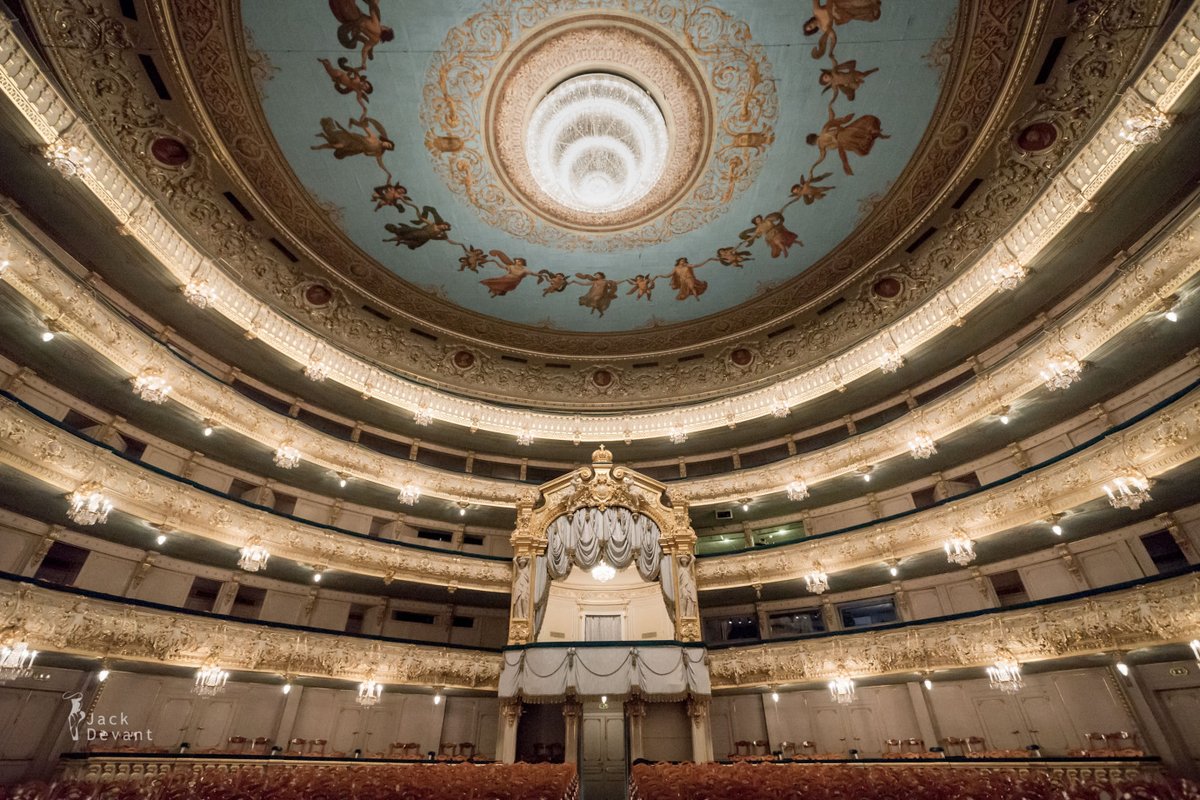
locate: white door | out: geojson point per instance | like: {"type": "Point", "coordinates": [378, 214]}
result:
{"type": "Point", "coordinates": [1044, 724]}
{"type": "Point", "coordinates": [347, 730]}
{"type": "Point", "coordinates": [381, 724]}
{"type": "Point", "coordinates": [171, 721]}
{"type": "Point", "coordinates": [211, 728]}
{"type": "Point", "coordinates": [864, 733]}
{"type": "Point", "coordinates": [1003, 728]}
{"type": "Point", "coordinates": [829, 731]}
{"type": "Point", "coordinates": [602, 767]}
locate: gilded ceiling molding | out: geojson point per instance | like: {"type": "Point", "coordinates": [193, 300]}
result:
{"type": "Point", "coordinates": [1160, 613]}
{"type": "Point", "coordinates": [1136, 291]}
{"type": "Point", "coordinates": [1156, 445]}
{"type": "Point", "coordinates": [63, 622]}
{"type": "Point", "coordinates": [1171, 71]}
{"type": "Point", "coordinates": [41, 451]}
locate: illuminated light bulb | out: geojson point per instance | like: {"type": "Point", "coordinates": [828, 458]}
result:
{"type": "Point", "coordinates": [47, 336]}
{"type": "Point", "coordinates": [437, 699]}
{"type": "Point", "coordinates": [1172, 316]}
{"type": "Point", "coordinates": [317, 578]}
{"type": "Point", "coordinates": [102, 675]}
{"type": "Point", "coordinates": [1057, 529]}
{"type": "Point", "coordinates": [208, 430]}
{"type": "Point", "coordinates": [928, 685]}
{"type": "Point", "coordinates": [745, 506]}
{"type": "Point", "coordinates": [867, 477]}
{"type": "Point", "coordinates": [342, 482]}
{"type": "Point", "coordinates": [286, 688]}
{"type": "Point", "coordinates": [894, 571]}
{"type": "Point", "coordinates": [1004, 419]}
{"type": "Point", "coordinates": [161, 539]}
{"type": "Point", "coordinates": [1123, 668]}
{"type": "Point", "coordinates": [774, 696]}
{"type": "Point", "coordinates": [462, 512]}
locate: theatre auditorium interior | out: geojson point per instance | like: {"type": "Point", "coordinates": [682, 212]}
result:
{"type": "Point", "coordinates": [597, 399]}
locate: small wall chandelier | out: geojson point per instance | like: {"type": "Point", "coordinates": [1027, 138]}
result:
{"type": "Point", "coordinates": [841, 689]}
{"type": "Point", "coordinates": [676, 434]}
{"type": "Point", "coordinates": [152, 387]}
{"type": "Point", "coordinates": [890, 361]}
{"type": "Point", "coordinates": [816, 580]}
{"type": "Point", "coordinates": [199, 293]}
{"type": "Point", "coordinates": [369, 693]}
{"type": "Point", "coordinates": [1061, 371]}
{"type": "Point", "coordinates": [1008, 275]}
{"type": "Point", "coordinates": [253, 557]}
{"type": "Point", "coordinates": [797, 490]}
{"type": "Point", "coordinates": [1006, 676]}
{"type": "Point", "coordinates": [922, 446]}
{"type": "Point", "coordinates": [960, 549]}
{"type": "Point", "coordinates": [1145, 127]}
{"type": "Point", "coordinates": [316, 370]}
{"type": "Point", "coordinates": [524, 437]}
{"type": "Point", "coordinates": [780, 407]}
{"type": "Point", "coordinates": [423, 416]}
{"type": "Point", "coordinates": [66, 158]}
{"type": "Point", "coordinates": [88, 504]}
{"type": "Point", "coordinates": [1128, 491]}
{"type": "Point", "coordinates": [16, 661]}
{"type": "Point", "coordinates": [410, 493]}
{"type": "Point", "coordinates": [603, 572]}
{"type": "Point", "coordinates": [210, 681]}
{"type": "Point", "coordinates": [286, 457]}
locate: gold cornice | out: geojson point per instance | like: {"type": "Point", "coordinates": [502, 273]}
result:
{"type": "Point", "coordinates": [1159, 613]}
{"type": "Point", "coordinates": [62, 622]}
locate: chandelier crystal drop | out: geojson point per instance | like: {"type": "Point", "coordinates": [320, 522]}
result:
{"type": "Point", "coordinates": [152, 387]}
{"type": "Point", "coordinates": [16, 661]}
{"type": "Point", "coordinates": [210, 681]}
{"type": "Point", "coordinates": [1145, 127]}
{"type": "Point", "coordinates": [922, 446]}
{"type": "Point", "coordinates": [287, 457]}
{"type": "Point", "coordinates": [1061, 371]}
{"type": "Point", "coordinates": [603, 572]}
{"type": "Point", "coordinates": [816, 581]}
{"type": "Point", "coordinates": [841, 689]}
{"type": "Point", "coordinates": [1008, 275]}
{"type": "Point", "coordinates": [1006, 676]}
{"type": "Point", "coordinates": [253, 557]}
{"type": "Point", "coordinates": [797, 490]}
{"type": "Point", "coordinates": [960, 549]}
{"type": "Point", "coordinates": [890, 361]}
{"type": "Point", "coordinates": [1128, 491]}
{"type": "Point", "coordinates": [597, 143]}
{"type": "Point", "coordinates": [410, 493]}
{"type": "Point", "coordinates": [369, 693]}
{"type": "Point", "coordinates": [199, 293]}
{"type": "Point", "coordinates": [88, 504]}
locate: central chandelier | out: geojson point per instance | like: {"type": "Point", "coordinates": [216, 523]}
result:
{"type": "Point", "coordinates": [922, 446]}
{"type": "Point", "coordinates": [151, 387]}
{"type": "Point", "coordinates": [816, 581]}
{"type": "Point", "coordinates": [1128, 491]}
{"type": "Point", "coordinates": [369, 693]}
{"type": "Point", "coordinates": [841, 689]}
{"type": "Point", "coordinates": [797, 490]}
{"type": "Point", "coordinates": [603, 572]}
{"type": "Point", "coordinates": [1061, 371]}
{"type": "Point", "coordinates": [88, 504]}
{"type": "Point", "coordinates": [410, 493]}
{"type": "Point", "coordinates": [960, 549]}
{"type": "Point", "coordinates": [210, 681]}
{"type": "Point", "coordinates": [597, 143]}
{"type": "Point", "coordinates": [1006, 676]}
{"type": "Point", "coordinates": [286, 457]}
{"type": "Point", "coordinates": [253, 557]}
{"type": "Point", "coordinates": [16, 661]}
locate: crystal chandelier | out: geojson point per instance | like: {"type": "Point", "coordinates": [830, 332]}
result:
{"type": "Point", "coordinates": [960, 549]}
{"type": "Point", "coordinates": [199, 293]}
{"type": "Point", "coordinates": [1006, 676]}
{"type": "Point", "coordinates": [88, 504]}
{"type": "Point", "coordinates": [1061, 371]}
{"type": "Point", "coordinates": [922, 446]}
{"type": "Point", "coordinates": [676, 434]}
{"type": "Point", "coordinates": [1145, 127]}
{"type": "Point", "coordinates": [841, 689]}
{"type": "Point", "coordinates": [816, 581]}
{"type": "Point", "coordinates": [316, 370]}
{"type": "Point", "coordinates": [151, 387]}
{"type": "Point", "coordinates": [66, 158]}
{"type": "Point", "coordinates": [210, 681]}
{"type": "Point", "coordinates": [16, 661]}
{"type": "Point", "coordinates": [525, 437]}
{"type": "Point", "coordinates": [253, 557]}
{"type": "Point", "coordinates": [780, 407]}
{"type": "Point", "coordinates": [423, 416]}
{"type": "Point", "coordinates": [1128, 491]}
{"type": "Point", "coordinates": [797, 490]}
{"type": "Point", "coordinates": [603, 571]}
{"type": "Point", "coordinates": [287, 457]}
{"type": "Point", "coordinates": [1008, 275]}
{"type": "Point", "coordinates": [891, 360]}
{"type": "Point", "coordinates": [410, 493]}
{"type": "Point", "coordinates": [369, 693]}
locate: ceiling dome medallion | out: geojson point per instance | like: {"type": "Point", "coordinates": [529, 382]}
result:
{"type": "Point", "coordinates": [596, 143]}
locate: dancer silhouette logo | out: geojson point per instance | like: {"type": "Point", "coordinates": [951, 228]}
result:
{"type": "Point", "coordinates": [100, 727]}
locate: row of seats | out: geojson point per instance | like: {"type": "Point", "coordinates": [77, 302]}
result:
{"type": "Point", "coordinates": [262, 746]}
{"type": "Point", "coordinates": [1099, 745]}
{"type": "Point", "coordinates": [543, 753]}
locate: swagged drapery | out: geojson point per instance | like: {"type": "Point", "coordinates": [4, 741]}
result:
{"type": "Point", "coordinates": [550, 673]}
{"type": "Point", "coordinates": [616, 535]}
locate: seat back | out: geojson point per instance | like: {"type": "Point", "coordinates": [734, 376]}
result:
{"type": "Point", "coordinates": [237, 744]}
{"type": "Point", "coordinates": [556, 752]}
{"type": "Point", "coordinates": [317, 746]}
{"type": "Point", "coordinates": [259, 745]}
{"type": "Point", "coordinates": [891, 745]}
{"type": "Point", "coordinates": [912, 745]}
{"type": "Point", "coordinates": [296, 745]}
{"type": "Point", "coordinates": [809, 747]}
{"type": "Point", "coordinates": [466, 750]}
{"type": "Point", "coordinates": [787, 749]}
{"type": "Point", "coordinates": [954, 746]}
{"type": "Point", "coordinates": [760, 747]}
{"type": "Point", "coordinates": [1095, 740]}
{"type": "Point", "coordinates": [974, 743]}
{"type": "Point", "coordinates": [447, 749]}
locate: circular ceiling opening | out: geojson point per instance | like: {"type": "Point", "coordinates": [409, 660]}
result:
{"type": "Point", "coordinates": [597, 143]}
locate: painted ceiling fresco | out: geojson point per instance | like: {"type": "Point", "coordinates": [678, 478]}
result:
{"type": "Point", "coordinates": [790, 121]}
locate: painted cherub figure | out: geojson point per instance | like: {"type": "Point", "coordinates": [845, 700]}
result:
{"type": "Point", "coordinates": [359, 29]}
{"type": "Point", "coordinates": [472, 258]}
{"type": "Point", "coordinates": [427, 227]}
{"type": "Point", "coordinates": [826, 17]}
{"type": "Point", "coordinates": [390, 194]}
{"type": "Point", "coordinates": [809, 190]}
{"type": "Point", "coordinates": [555, 281]}
{"type": "Point", "coordinates": [771, 228]}
{"type": "Point", "coordinates": [733, 257]}
{"type": "Point", "coordinates": [844, 78]}
{"type": "Point", "coordinates": [515, 271]}
{"type": "Point", "coordinates": [684, 280]}
{"type": "Point", "coordinates": [641, 286]}
{"type": "Point", "coordinates": [846, 135]}
{"type": "Point", "coordinates": [601, 291]}
{"type": "Point", "coordinates": [348, 80]}
{"type": "Point", "coordinates": [373, 141]}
